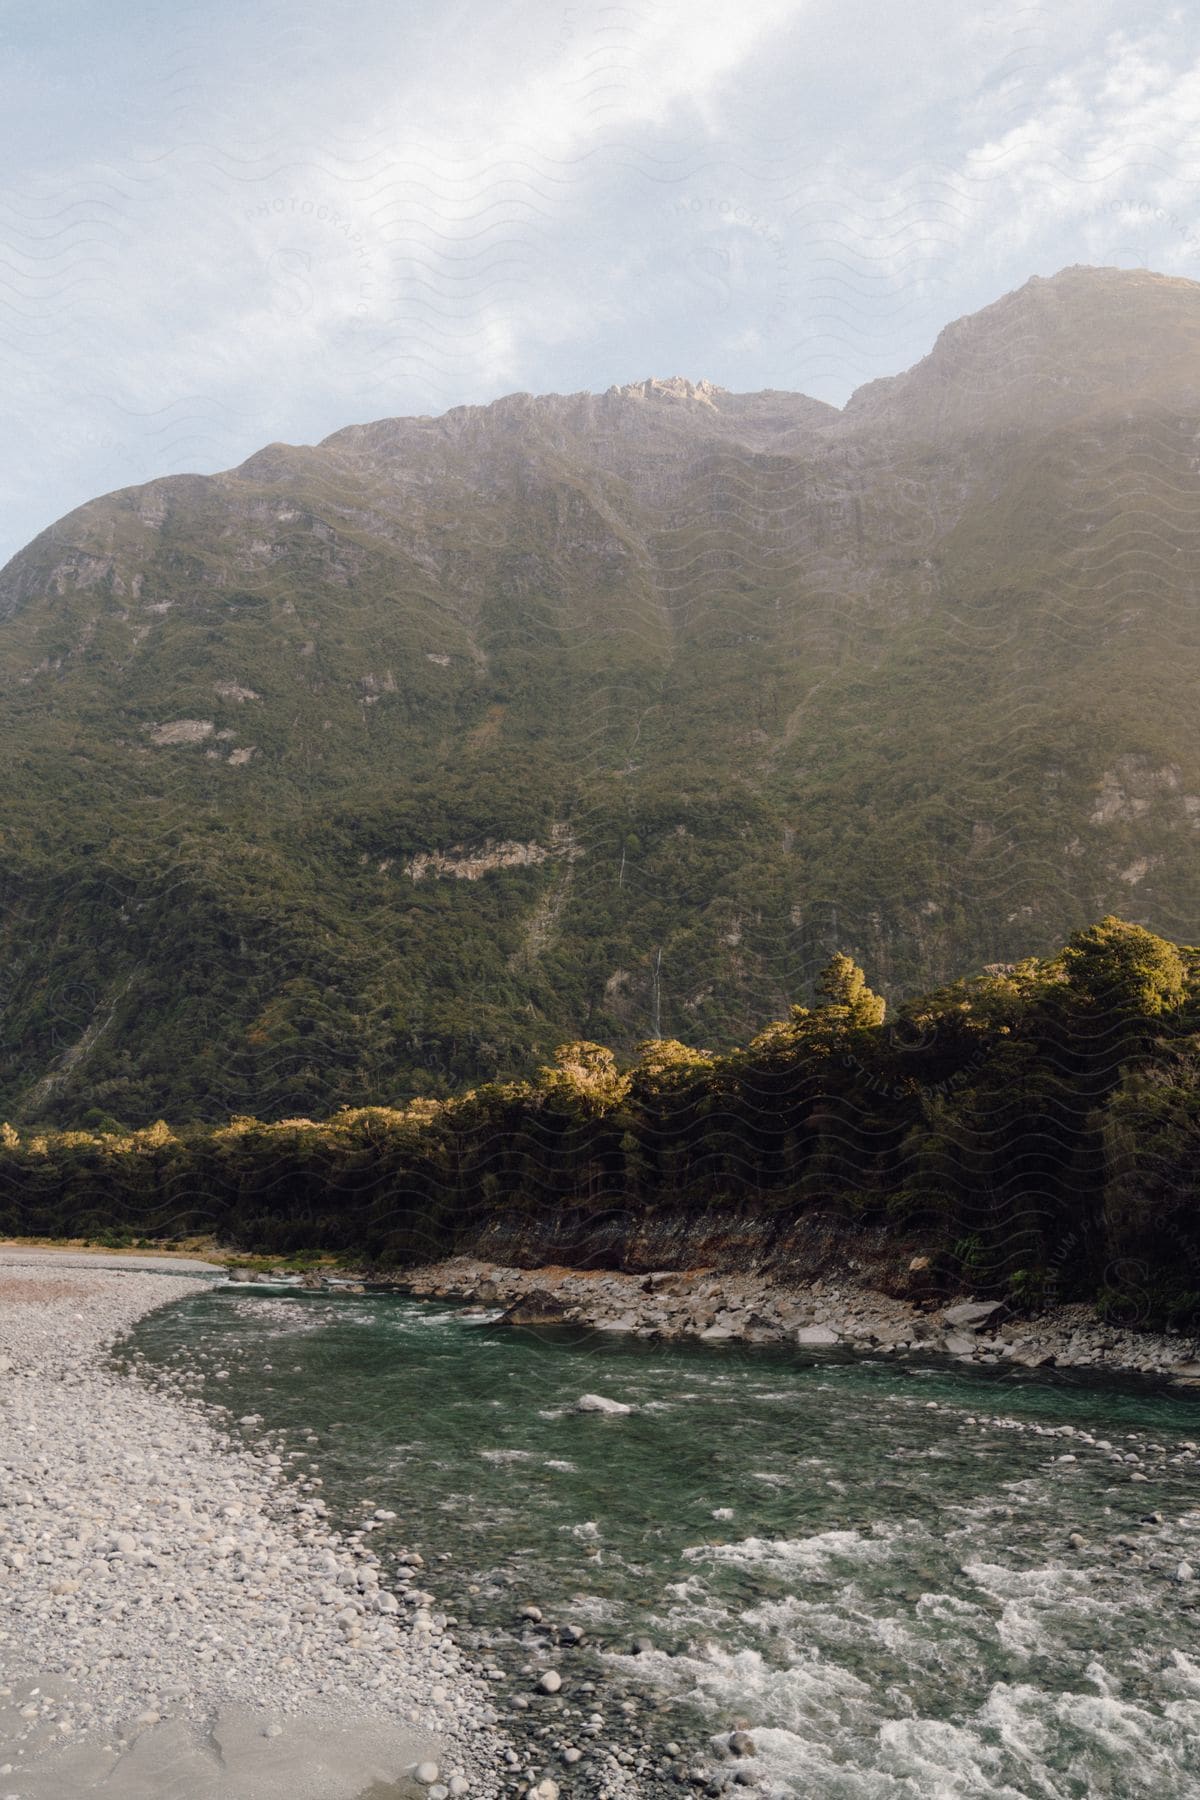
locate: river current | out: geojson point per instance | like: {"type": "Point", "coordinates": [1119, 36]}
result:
{"type": "Point", "coordinates": [865, 1563]}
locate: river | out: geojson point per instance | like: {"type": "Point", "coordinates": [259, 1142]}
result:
{"type": "Point", "coordinates": [865, 1563]}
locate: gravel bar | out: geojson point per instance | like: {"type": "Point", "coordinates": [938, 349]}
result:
{"type": "Point", "coordinates": [174, 1616]}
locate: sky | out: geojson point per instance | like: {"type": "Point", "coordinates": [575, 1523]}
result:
{"type": "Point", "coordinates": [228, 225]}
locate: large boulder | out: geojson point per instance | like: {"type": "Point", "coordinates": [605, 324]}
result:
{"type": "Point", "coordinates": [971, 1314]}
{"type": "Point", "coordinates": [923, 1331]}
{"type": "Point", "coordinates": [1033, 1358]}
{"type": "Point", "coordinates": [809, 1335]}
{"type": "Point", "coordinates": [539, 1308]}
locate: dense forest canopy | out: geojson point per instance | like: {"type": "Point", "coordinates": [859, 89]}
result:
{"type": "Point", "coordinates": [1035, 1128]}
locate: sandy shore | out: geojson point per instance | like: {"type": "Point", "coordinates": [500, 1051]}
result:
{"type": "Point", "coordinates": [176, 1617]}
{"type": "Point", "coordinates": [759, 1308]}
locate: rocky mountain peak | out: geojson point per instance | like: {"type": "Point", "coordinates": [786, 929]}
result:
{"type": "Point", "coordinates": [1084, 342]}
{"type": "Point", "coordinates": [669, 388]}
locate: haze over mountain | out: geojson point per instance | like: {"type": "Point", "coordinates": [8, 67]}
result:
{"type": "Point", "coordinates": [381, 766]}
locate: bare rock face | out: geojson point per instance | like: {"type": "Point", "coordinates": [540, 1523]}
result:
{"type": "Point", "coordinates": [182, 731]}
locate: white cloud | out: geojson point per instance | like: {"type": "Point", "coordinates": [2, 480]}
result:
{"type": "Point", "coordinates": [290, 226]}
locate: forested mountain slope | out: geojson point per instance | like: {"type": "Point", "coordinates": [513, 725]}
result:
{"type": "Point", "coordinates": [375, 768]}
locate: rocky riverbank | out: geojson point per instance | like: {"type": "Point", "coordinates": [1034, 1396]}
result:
{"type": "Point", "coordinates": [176, 1613]}
{"type": "Point", "coordinates": [757, 1308]}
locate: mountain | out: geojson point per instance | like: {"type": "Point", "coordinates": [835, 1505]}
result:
{"type": "Point", "coordinates": [377, 767]}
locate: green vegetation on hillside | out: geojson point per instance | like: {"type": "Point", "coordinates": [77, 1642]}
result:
{"type": "Point", "coordinates": [365, 772]}
{"type": "Point", "coordinates": [1036, 1129]}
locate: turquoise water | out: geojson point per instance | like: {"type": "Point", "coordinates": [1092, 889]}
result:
{"type": "Point", "coordinates": [864, 1562]}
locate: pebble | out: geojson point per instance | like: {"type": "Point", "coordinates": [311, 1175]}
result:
{"type": "Point", "coordinates": [550, 1682]}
